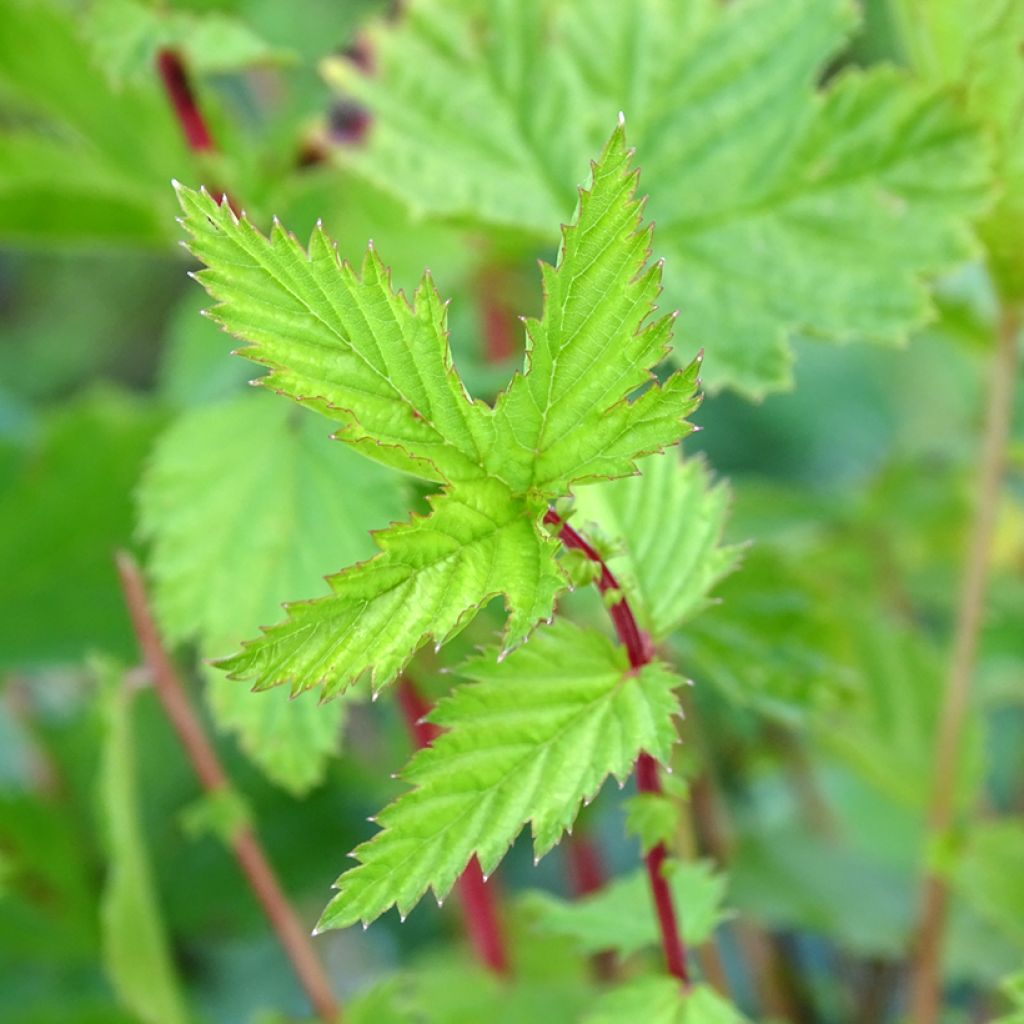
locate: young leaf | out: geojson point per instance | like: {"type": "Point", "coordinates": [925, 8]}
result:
{"type": "Point", "coordinates": [349, 346]}
{"type": "Point", "coordinates": [655, 1000]}
{"type": "Point", "coordinates": [621, 916]}
{"type": "Point", "coordinates": [667, 525]}
{"type": "Point", "coordinates": [264, 496]}
{"type": "Point", "coordinates": [432, 575]}
{"type": "Point", "coordinates": [135, 946]}
{"type": "Point", "coordinates": [566, 419]}
{"type": "Point", "coordinates": [529, 741]}
{"type": "Point", "coordinates": [341, 341]}
{"type": "Point", "coordinates": [783, 208]}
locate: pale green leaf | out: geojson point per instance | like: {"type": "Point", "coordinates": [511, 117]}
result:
{"type": "Point", "coordinates": [665, 527]}
{"type": "Point", "coordinates": [433, 574]}
{"type": "Point", "coordinates": [566, 418]}
{"type": "Point", "coordinates": [529, 741]}
{"type": "Point", "coordinates": [136, 952]}
{"type": "Point", "coordinates": [127, 35]}
{"type": "Point", "coordinates": [654, 1000]}
{"type": "Point", "coordinates": [351, 347]}
{"type": "Point", "coordinates": [80, 161]}
{"type": "Point", "coordinates": [976, 48]}
{"type": "Point", "coordinates": [781, 206]}
{"type": "Point", "coordinates": [340, 341]}
{"type": "Point", "coordinates": [988, 875]}
{"type": "Point", "coordinates": [244, 504]}
{"type": "Point", "coordinates": [621, 916]}
{"type": "Point", "coordinates": [653, 818]}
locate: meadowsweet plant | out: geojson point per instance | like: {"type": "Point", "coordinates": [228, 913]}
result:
{"type": "Point", "coordinates": [623, 614]}
{"type": "Point", "coordinates": [555, 708]}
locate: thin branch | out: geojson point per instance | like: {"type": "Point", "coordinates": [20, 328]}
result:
{"type": "Point", "coordinates": [639, 651]}
{"type": "Point", "coordinates": [293, 937]}
{"type": "Point", "coordinates": [926, 968]}
{"type": "Point", "coordinates": [478, 906]}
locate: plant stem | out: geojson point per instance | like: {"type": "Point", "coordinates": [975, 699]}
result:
{"type": "Point", "coordinates": [926, 967]}
{"type": "Point", "coordinates": [193, 125]}
{"type": "Point", "coordinates": [639, 651]}
{"type": "Point", "coordinates": [478, 907]}
{"type": "Point", "coordinates": [183, 100]}
{"type": "Point", "coordinates": [293, 937]}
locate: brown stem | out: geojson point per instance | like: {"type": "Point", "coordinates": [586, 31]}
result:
{"type": "Point", "coordinates": [293, 937]}
{"type": "Point", "coordinates": [926, 966]}
{"type": "Point", "coordinates": [496, 320]}
{"type": "Point", "coordinates": [639, 651]}
{"type": "Point", "coordinates": [478, 909]}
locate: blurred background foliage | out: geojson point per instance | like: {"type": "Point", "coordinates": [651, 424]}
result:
{"type": "Point", "coordinates": [125, 423]}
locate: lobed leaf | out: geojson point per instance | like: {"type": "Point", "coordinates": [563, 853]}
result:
{"type": "Point", "coordinates": [341, 341]}
{"type": "Point", "coordinates": [621, 916]}
{"type": "Point", "coordinates": [783, 207]}
{"type": "Point", "coordinates": [531, 739]}
{"type": "Point", "coordinates": [245, 486]}
{"type": "Point", "coordinates": [432, 576]}
{"type": "Point", "coordinates": [566, 418]}
{"type": "Point", "coordinates": [665, 526]}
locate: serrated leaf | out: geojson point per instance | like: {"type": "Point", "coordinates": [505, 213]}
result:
{"type": "Point", "coordinates": [530, 740]}
{"type": "Point", "coordinates": [665, 527]}
{"type": "Point", "coordinates": [621, 916]}
{"type": "Point", "coordinates": [976, 49]}
{"type": "Point", "coordinates": [566, 419]}
{"type": "Point", "coordinates": [432, 575]}
{"type": "Point", "coordinates": [355, 350]}
{"type": "Point", "coordinates": [663, 1001]}
{"type": "Point", "coordinates": [340, 341]}
{"type": "Point", "coordinates": [265, 497]}
{"type": "Point", "coordinates": [136, 952]}
{"type": "Point", "coordinates": [784, 207]}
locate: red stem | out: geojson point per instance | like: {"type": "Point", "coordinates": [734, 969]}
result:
{"type": "Point", "coordinates": [640, 652]}
{"type": "Point", "coordinates": [190, 118]}
{"type": "Point", "coordinates": [179, 92]}
{"type": "Point", "coordinates": [478, 909]}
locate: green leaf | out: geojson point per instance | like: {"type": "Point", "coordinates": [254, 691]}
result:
{"type": "Point", "coordinates": [653, 818]}
{"type": "Point", "coordinates": [135, 947]}
{"type": "Point", "coordinates": [356, 351]}
{"type": "Point", "coordinates": [263, 496]}
{"type": "Point", "coordinates": [59, 595]}
{"type": "Point", "coordinates": [342, 342]}
{"type": "Point", "coordinates": [530, 740]}
{"type": "Point", "coordinates": [665, 531]}
{"type": "Point", "coordinates": [663, 1001]}
{"type": "Point", "coordinates": [432, 575]}
{"type": "Point", "coordinates": [783, 207]}
{"type": "Point", "coordinates": [977, 51]}
{"type": "Point", "coordinates": [621, 916]}
{"type": "Point", "coordinates": [566, 418]}
{"type": "Point", "coordinates": [80, 161]}
{"type": "Point", "coordinates": [127, 36]}
{"type": "Point", "coordinates": [988, 877]}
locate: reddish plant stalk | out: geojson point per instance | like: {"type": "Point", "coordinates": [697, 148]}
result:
{"type": "Point", "coordinates": [183, 100]}
{"type": "Point", "coordinates": [640, 652]}
{"type": "Point", "coordinates": [496, 320]}
{"type": "Point", "coordinates": [478, 908]}
{"type": "Point", "coordinates": [190, 118]}
{"type": "Point", "coordinates": [170, 690]}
